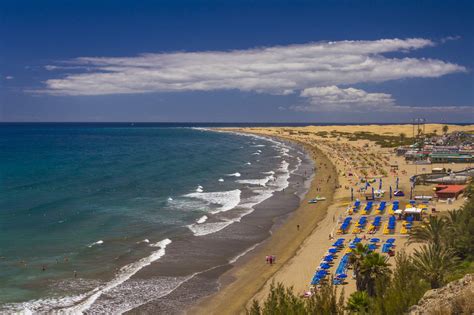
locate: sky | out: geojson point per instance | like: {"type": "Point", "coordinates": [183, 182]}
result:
{"type": "Point", "coordinates": [236, 61]}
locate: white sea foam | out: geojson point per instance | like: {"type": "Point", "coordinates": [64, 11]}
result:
{"type": "Point", "coordinates": [251, 248]}
{"type": "Point", "coordinates": [100, 242]}
{"type": "Point", "coordinates": [281, 181]}
{"type": "Point", "coordinates": [170, 199]}
{"type": "Point", "coordinates": [284, 151]}
{"type": "Point", "coordinates": [256, 153]}
{"type": "Point", "coordinates": [298, 164]}
{"type": "Point", "coordinates": [225, 199]}
{"type": "Point", "coordinates": [199, 188]}
{"type": "Point", "coordinates": [221, 179]}
{"type": "Point", "coordinates": [269, 172]}
{"type": "Point", "coordinates": [258, 146]}
{"type": "Point", "coordinates": [258, 182]}
{"type": "Point", "coordinates": [80, 303]}
{"type": "Point", "coordinates": [202, 219]}
{"type": "Point", "coordinates": [208, 228]}
{"type": "Point", "coordinates": [237, 174]}
{"type": "Point", "coordinates": [136, 292]}
{"type": "Point", "coordinates": [144, 241]}
{"type": "Point", "coordinates": [248, 163]}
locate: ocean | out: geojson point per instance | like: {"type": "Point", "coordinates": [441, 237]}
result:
{"type": "Point", "coordinates": [109, 217]}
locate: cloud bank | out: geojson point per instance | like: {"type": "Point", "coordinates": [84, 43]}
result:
{"type": "Point", "coordinates": [333, 98]}
{"type": "Point", "coordinates": [314, 70]}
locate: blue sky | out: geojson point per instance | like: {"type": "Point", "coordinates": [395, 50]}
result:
{"type": "Point", "coordinates": [236, 61]}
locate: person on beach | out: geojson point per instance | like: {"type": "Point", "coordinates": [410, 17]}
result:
{"type": "Point", "coordinates": [270, 259]}
{"type": "Point", "coordinates": [267, 259]}
{"type": "Point", "coordinates": [297, 227]}
{"type": "Point", "coordinates": [75, 274]}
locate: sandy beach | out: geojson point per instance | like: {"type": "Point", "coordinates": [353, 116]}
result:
{"type": "Point", "coordinates": [339, 162]}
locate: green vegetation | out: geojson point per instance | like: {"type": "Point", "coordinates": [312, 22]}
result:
{"type": "Point", "coordinates": [446, 254]}
{"type": "Point", "coordinates": [323, 134]}
{"type": "Point", "coordinates": [282, 301]}
{"type": "Point", "coordinates": [445, 129]}
{"type": "Point", "coordinates": [384, 140]}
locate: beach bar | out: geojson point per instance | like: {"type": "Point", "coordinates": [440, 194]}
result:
{"type": "Point", "coordinates": [449, 191]}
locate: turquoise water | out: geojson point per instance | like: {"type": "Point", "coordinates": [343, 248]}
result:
{"type": "Point", "coordinates": [85, 198]}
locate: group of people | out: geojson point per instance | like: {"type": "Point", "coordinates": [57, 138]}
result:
{"type": "Point", "coordinates": [270, 259]}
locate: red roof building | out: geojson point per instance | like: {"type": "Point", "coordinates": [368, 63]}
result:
{"type": "Point", "coordinates": [449, 191]}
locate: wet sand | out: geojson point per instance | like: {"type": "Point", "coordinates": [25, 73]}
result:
{"type": "Point", "coordinates": [241, 283]}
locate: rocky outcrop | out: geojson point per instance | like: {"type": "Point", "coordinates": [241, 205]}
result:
{"type": "Point", "coordinates": [456, 297]}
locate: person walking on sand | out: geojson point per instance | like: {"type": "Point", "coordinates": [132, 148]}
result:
{"type": "Point", "coordinates": [270, 258]}
{"type": "Point", "coordinates": [297, 227]}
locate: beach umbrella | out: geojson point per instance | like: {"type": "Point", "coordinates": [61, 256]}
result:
{"type": "Point", "coordinates": [352, 246]}
{"type": "Point", "coordinates": [321, 273]}
{"type": "Point", "coordinates": [328, 258]}
{"type": "Point", "coordinates": [325, 266]}
{"type": "Point", "coordinates": [341, 276]}
{"type": "Point", "coordinates": [396, 187]}
{"type": "Point", "coordinates": [372, 247]}
{"type": "Point", "coordinates": [332, 250]}
{"type": "Point", "coordinates": [390, 240]}
{"type": "Point", "coordinates": [375, 240]}
{"type": "Point", "coordinates": [390, 192]}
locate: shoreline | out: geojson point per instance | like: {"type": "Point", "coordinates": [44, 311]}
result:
{"type": "Point", "coordinates": [240, 284]}
{"type": "Point", "coordinates": [268, 216]}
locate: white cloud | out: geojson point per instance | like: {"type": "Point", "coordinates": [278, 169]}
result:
{"type": "Point", "coordinates": [278, 70]}
{"type": "Point", "coordinates": [51, 67]}
{"type": "Point", "coordinates": [333, 99]}
{"type": "Point", "coordinates": [9, 77]}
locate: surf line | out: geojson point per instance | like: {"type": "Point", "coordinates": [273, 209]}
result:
{"type": "Point", "coordinates": [123, 275]}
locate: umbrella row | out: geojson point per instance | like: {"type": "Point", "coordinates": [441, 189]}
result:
{"type": "Point", "coordinates": [322, 270]}
{"type": "Point", "coordinates": [345, 225]}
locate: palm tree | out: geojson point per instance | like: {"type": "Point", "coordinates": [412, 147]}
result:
{"type": "Point", "coordinates": [402, 137]}
{"type": "Point", "coordinates": [434, 263]}
{"type": "Point", "coordinates": [430, 232]}
{"type": "Point", "coordinates": [355, 259]}
{"type": "Point", "coordinates": [358, 302]}
{"type": "Point", "coordinates": [374, 267]}
{"type": "Point", "coordinates": [445, 129]}
{"type": "Point", "coordinates": [461, 233]}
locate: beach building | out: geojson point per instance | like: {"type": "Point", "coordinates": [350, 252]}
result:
{"type": "Point", "coordinates": [449, 191]}
{"type": "Point", "coordinates": [451, 158]}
